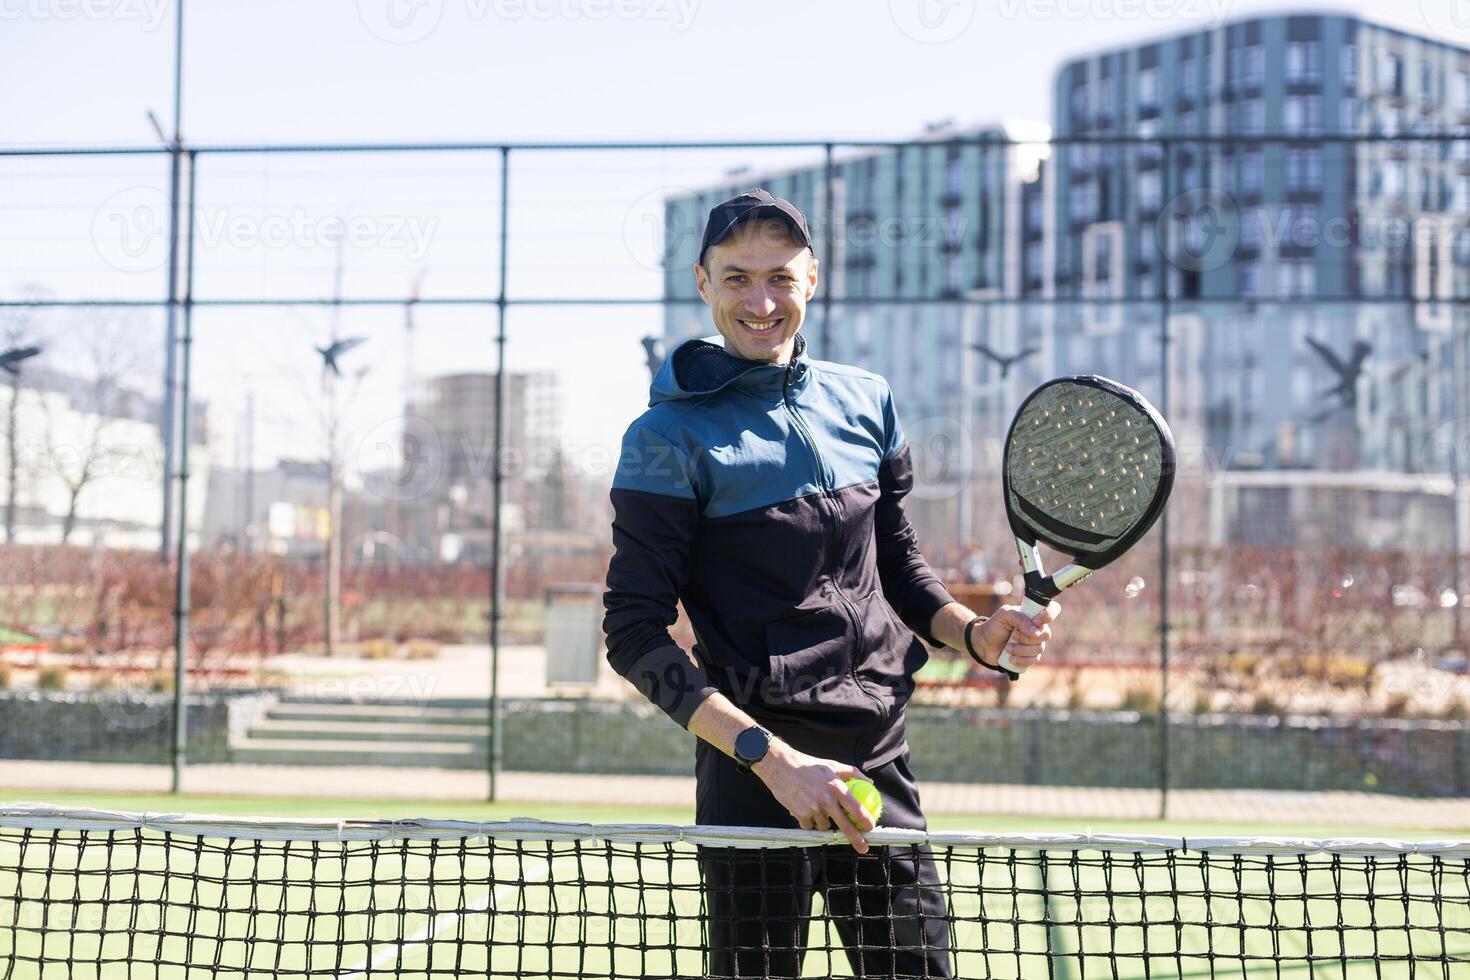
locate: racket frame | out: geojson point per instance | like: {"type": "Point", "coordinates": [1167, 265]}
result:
{"type": "Point", "coordinates": [1041, 588]}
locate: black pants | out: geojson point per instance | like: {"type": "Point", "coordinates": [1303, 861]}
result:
{"type": "Point", "coordinates": [887, 906]}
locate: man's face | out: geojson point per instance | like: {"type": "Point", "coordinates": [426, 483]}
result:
{"type": "Point", "coordinates": [757, 283]}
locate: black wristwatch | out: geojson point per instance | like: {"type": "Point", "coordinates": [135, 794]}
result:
{"type": "Point", "coordinates": [751, 747]}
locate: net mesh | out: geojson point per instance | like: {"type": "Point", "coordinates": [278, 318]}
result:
{"type": "Point", "coordinates": [100, 894]}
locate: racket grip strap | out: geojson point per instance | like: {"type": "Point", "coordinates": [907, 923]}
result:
{"type": "Point", "coordinates": [975, 654]}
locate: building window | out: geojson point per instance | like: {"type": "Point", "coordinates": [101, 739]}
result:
{"type": "Point", "coordinates": [1250, 227]}
{"type": "Point", "coordinates": [1252, 172]}
{"type": "Point", "coordinates": [1390, 73]}
{"type": "Point", "coordinates": [1248, 279]}
{"type": "Point", "coordinates": [1034, 213]}
{"type": "Point", "coordinates": [1188, 79]}
{"type": "Point", "coordinates": [1254, 65]}
{"type": "Point", "coordinates": [1304, 61]}
{"type": "Point", "coordinates": [1081, 201]}
{"type": "Point", "coordinates": [1349, 121]}
{"type": "Point", "coordinates": [1150, 190]}
{"type": "Point", "coordinates": [953, 270]}
{"type": "Point", "coordinates": [1462, 91]}
{"type": "Point", "coordinates": [954, 174]}
{"type": "Point", "coordinates": [1187, 123]}
{"type": "Point", "coordinates": [1148, 88]}
{"type": "Point", "coordinates": [1296, 279]}
{"type": "Point", "coordinates": [1253, 117]}
{"type": "Point", "coordinates": [1350, 66]}
{"type": "Point", "coordinates": [1103, 265]}
{"type": "Point", "coordinates": [1299, 226]}
{"type": "Point", "coordinates": [1426, 82]}
{"type": "Point", "coordinates": [1148, 246]}
{"type": "Point", "coordinates": [1303, 114]}
{"type": "Point", "coordinates": [1304, 169]}
{"type": "Point", "coordinates": [1462, 194]}
{"type": "Point", "coordinates": [1393, 178]}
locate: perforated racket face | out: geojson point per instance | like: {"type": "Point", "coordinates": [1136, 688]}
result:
{"type": "Point", "coordinates": [1088, 466]}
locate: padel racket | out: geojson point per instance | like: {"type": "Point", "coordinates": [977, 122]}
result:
{"type": "Point", "coordinates": [1089, 465]}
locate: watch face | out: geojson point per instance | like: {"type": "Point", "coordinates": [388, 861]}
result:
{"type": "Point", "coordinates": [751, 744]}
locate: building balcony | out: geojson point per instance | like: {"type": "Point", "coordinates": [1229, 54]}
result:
{"type": "Point", "coordinates": [951, 199]}
{"type": "Point", "coordinates": [861, 260]}
{"type": "Point", "coordinates": [951, 246]}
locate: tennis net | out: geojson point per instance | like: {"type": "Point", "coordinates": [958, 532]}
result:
{"type": "Point", "coordinates": [97, 893]}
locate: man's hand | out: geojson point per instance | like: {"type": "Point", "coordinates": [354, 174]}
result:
{"type": "Point", "coordinates": [1012, 631]}
{"type": "Point", "coordinates": [812, 790]}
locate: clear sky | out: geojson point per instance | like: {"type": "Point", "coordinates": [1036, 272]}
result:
{"type": "Point", "coordinates": [83, 72]}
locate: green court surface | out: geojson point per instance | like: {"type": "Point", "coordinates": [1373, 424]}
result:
{"type": "Point", "coordinates": [418, 905]}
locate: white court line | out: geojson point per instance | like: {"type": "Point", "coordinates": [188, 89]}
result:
{"type": "Point", "coordinates": [426, 934]}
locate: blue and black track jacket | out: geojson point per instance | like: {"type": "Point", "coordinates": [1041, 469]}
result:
{"type": "Point", "coordinates": [769, 498]}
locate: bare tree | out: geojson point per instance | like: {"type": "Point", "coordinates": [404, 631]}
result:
{"type": "Point", "coordinates": [98, 399]}
{"type": "Point", "coordinates": [18, 333]}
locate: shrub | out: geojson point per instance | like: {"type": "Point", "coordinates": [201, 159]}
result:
{"type": "Point", "coordinates": [1143, 698]}
{"type": "Point", "coordinates": [423, 650]}
{"type": "Point", "coordinates": [379, 650]}
{"type": "Point", "coordinates": [53, 677]}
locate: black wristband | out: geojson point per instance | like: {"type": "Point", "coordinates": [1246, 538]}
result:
{"type": "Point", "coordinates": [975, 655]}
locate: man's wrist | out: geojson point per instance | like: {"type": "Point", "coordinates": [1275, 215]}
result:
{"type": "Point", "coordinates": [777, 751]}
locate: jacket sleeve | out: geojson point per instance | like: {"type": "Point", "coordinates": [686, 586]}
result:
{"type": "Point", "coordinates": [655, 513]}
{"type": "Point", "coordinates": [909, 584]}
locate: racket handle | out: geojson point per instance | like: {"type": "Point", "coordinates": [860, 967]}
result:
{"type": "Point", "coordinates": [1030, 608]}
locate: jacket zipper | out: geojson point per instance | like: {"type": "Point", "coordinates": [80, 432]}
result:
{"type": "Point", "coordinates": [830, 497]}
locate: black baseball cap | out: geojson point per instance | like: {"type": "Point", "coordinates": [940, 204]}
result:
{"type": "Point", "coordinates": [757, 203]}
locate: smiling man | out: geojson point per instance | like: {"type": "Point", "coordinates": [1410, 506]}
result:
{"type": "Point", "coordinates": [765, 490]}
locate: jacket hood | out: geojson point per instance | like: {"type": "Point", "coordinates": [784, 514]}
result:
{"type": "Point", "coordinates": [696, 368]}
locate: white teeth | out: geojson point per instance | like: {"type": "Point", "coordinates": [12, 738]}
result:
{"type": "Point", "coordinates": [760, 327]}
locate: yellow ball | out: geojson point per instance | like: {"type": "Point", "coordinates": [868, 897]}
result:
{"type": "Point", "coordinates": [867, 794]}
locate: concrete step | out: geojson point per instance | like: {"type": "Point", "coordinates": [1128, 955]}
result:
{"type": "Point", "coordinates": [409, 713]}
{"type": "Point", "coordinates": [473, 704]}
{"type": "Point", "coordinates": [330, 752]}
{"type": "Point", "coordinates": [337, 730]}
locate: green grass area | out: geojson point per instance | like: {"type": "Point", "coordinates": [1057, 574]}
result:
{"type": "Point", "coordinates": [461, 907]}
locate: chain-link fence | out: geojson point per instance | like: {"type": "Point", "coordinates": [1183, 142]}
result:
{"type": "Point", "coordinates": [384, 386]}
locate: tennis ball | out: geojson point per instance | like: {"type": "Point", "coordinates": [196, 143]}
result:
{"type": "Point", "coordinates": [867, 795]}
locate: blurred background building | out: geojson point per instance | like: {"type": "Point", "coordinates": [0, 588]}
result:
{"type": "Point", "coordinates": [1301, 275]}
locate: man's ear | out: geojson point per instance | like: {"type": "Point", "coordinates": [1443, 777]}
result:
{"type": "Point", "coordinates": [701, 282]}
{"type": "Point", "coordinates": [811, 278]}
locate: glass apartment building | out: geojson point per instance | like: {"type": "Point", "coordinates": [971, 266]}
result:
{"type": "Point", "coordinates": [1256, 185]}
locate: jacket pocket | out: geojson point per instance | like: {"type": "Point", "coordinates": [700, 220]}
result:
{"type": "Point", "coordinates": [893, 651]}
{"type": "Point", "coordinates": [811, 660]}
